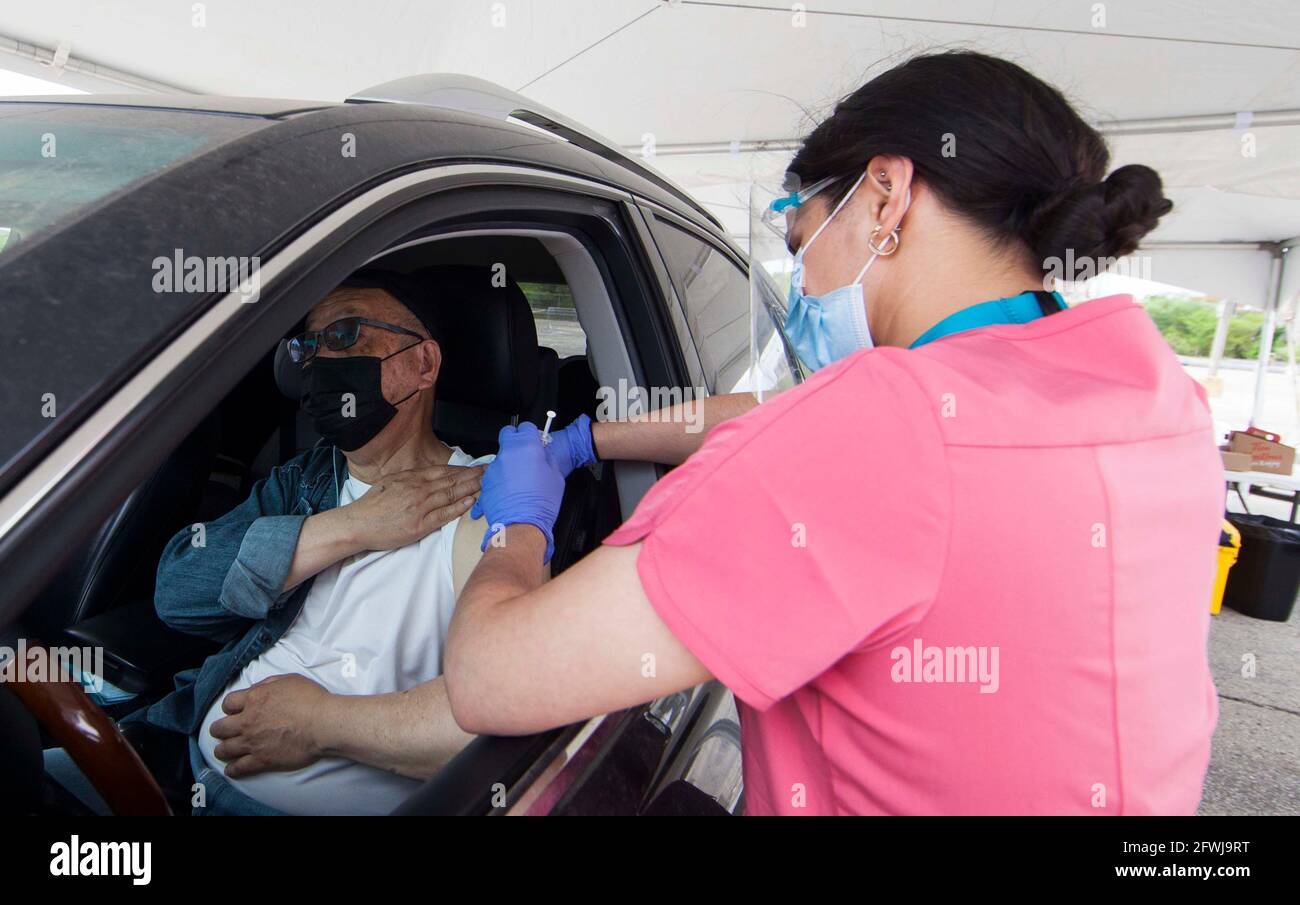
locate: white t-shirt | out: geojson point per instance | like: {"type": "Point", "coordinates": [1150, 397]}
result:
{"type": "Point", "coordinates": [371, 624]}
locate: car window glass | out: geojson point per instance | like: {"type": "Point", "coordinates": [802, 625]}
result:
{"type": "Point", "coordinates": [730, 333]}
{"type": "Point", "coordinates": [57, 160]}
{"type": "Point", "coordinates": [556, 318]}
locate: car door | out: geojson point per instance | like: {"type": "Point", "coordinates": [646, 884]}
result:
{"type": "Point", "coordinates": [99, 460]}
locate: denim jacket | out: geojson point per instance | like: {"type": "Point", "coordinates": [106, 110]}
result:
{"type": "Point", "coordinates": [228, 588]}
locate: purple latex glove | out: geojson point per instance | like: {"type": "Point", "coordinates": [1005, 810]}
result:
{"type": "Point", "coordinates": [572, 447]}
{"type": "Point", "coordinates": [522, 486]}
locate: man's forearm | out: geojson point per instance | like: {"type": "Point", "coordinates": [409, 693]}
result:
{"type": "Point", "coordinates": [411, 733]}
{"type": "Point", "coordinates": [668, 435]}
{"type": "Point", "coordinates": [414, 732]}
{"type": "Point", "coordinates": [326, 538]}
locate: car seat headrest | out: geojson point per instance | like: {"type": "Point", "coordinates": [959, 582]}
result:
{"type": "Point", "coordinates": [489, 337]}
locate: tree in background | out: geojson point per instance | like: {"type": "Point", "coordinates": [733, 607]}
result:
{"type": "Point", "coordinates": [1188, 326]}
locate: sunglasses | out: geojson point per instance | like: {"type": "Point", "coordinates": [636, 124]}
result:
{"type": "Point", "coordinates": [340, 335]}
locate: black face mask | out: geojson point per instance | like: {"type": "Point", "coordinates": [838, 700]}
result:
{"type": "Point", "coordinates": [348, 424]}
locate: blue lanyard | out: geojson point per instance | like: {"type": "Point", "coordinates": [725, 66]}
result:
{"type": "Point", "coordinates": [1018, 309]}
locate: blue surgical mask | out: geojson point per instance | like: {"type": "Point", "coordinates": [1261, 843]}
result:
{"type": "Point", "coordinates": [825, 328]}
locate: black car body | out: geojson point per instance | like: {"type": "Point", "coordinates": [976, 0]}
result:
{"type": "Point", "coordinates": [118, 398]}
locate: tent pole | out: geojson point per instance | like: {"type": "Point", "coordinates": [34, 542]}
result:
{"type": "Point", "coordinates": [1266, 335]}
{"type": "Point", "coordinates": [58, 65]}
{"type": "Point", "coordinates": [1213, 122]}
{"type": "Point", "coordinates": [1226, 311]}
{"type": "Point", "coordinates": [1290, 361]}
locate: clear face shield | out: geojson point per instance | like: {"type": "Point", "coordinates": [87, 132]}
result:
{"type": "Point", "coordinates": [773, 362]}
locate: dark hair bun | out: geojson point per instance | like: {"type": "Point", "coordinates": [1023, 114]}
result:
{"type": "Point", "coordinates": [1135, 202]}
{"type": "Point", "coordinates": [1099, 220]}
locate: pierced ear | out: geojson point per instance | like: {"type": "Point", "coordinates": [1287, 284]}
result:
{"type": "Point", "coordinates": [879, 172]}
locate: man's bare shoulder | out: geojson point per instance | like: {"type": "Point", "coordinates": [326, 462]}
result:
{"type": "Point", "coordinates": [465, 552]}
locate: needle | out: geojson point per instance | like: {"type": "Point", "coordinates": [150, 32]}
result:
{"type": "Point", "coordinates": [546, 431]}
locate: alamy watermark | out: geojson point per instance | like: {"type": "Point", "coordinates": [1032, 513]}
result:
{"type": "Point", "coordinates": [1076, 269]}
{"type": "Point", "coordinates": [205, 274]}
{"type": "Point", "coordinates": [39, 663]}
{"type": "Point", "coordinates": [946, 665]}
{"type": "Point", "coordinates": [75, 858]}
{"type": "Point", "coordinates": [684, 405]}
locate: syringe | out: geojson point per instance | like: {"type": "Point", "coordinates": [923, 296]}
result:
{"type": "Point", "coordinates": [546, 431]}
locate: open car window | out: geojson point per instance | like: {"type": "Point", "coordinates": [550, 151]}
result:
{"type": "Point", "coordinates": [556, 318]}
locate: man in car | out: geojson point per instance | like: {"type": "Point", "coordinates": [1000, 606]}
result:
{"type": "Point", "coordinates": [335, 580]}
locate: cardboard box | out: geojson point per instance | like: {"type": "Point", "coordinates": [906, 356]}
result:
{"type": "Point", "coordinates": [1234, 461]}
{"type": "Point", "coordinates": [1266, 451]}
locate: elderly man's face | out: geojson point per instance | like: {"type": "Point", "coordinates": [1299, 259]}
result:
{"type": "Point", "coordinates": [344, 402]}
{"type": "Point", "coordinates": [401, 373]}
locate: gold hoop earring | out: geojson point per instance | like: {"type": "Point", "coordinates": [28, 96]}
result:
{"type": "Point", "coordinates": [885, 249]}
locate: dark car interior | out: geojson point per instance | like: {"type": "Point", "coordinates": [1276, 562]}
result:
{"type": "Point", "coordinates": [495, 372]}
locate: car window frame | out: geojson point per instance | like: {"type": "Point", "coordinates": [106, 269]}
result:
{"type": "Point", "coordinates": [95, 468]}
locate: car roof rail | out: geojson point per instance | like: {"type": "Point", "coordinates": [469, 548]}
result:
{"type": "Point", "coordinates": [469, 94]}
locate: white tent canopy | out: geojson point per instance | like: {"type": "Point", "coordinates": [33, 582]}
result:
{"type": "Point", "coordinates": [1207, 93]}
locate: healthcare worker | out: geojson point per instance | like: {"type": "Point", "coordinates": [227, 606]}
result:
{"type": "Point", "coordinates": [963, 568]}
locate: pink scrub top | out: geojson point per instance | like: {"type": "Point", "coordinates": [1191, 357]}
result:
{"type": "Point", "coordinates": [969, 578]}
